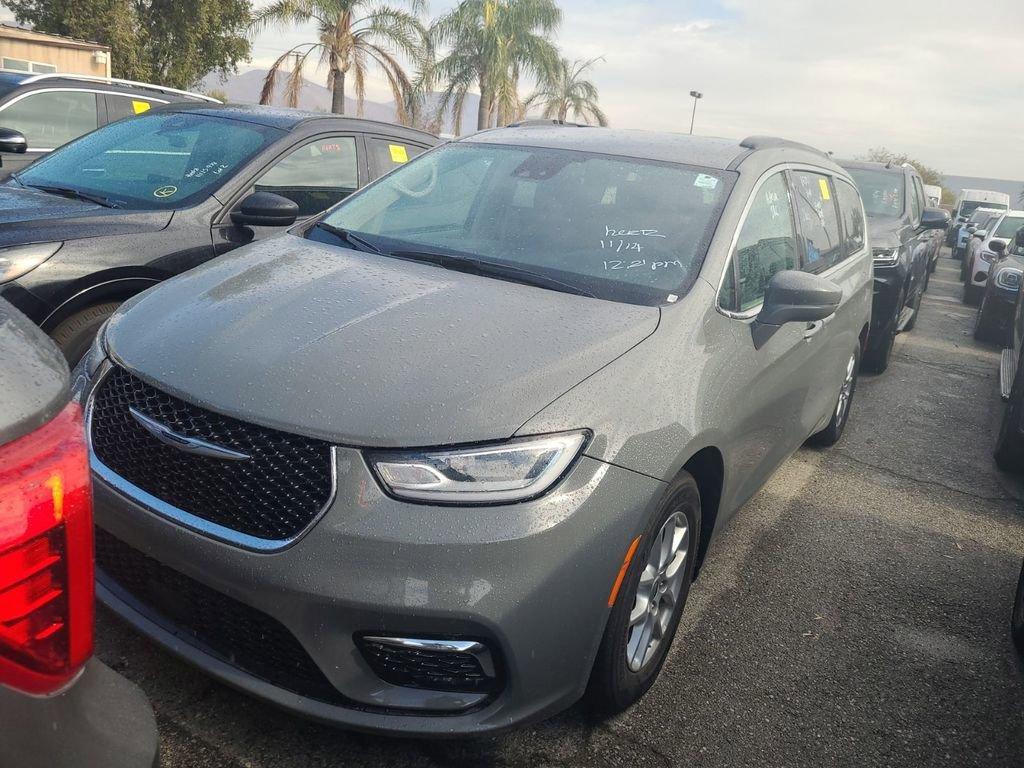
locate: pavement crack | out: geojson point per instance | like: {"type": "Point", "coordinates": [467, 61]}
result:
{"type": "Point", "coordinates": [946, 367]}
{"type": "Point", "coordinates": [919, 481]}
{"type": "Point", "coordinates": [638, 745]}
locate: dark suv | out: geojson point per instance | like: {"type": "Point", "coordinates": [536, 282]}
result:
{"type": "Point", "coordinates": [141, 200]}
{"type": "Point", "coordinates": [50, 110]}
{"type": "Point", "coordinates": [902, 245]}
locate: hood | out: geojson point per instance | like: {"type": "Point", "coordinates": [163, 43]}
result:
{"type": "Point", "coordinates": [367, 350]}
{"type": "Point", "coordinates": [31, 216]}
{"type": "Point", "coordinates": [885, 232]}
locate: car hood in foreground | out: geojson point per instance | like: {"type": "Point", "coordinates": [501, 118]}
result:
{"type": "Point", "coordinates": [367, 350]}
{"type": "Point", "coordinates": [32, 216]}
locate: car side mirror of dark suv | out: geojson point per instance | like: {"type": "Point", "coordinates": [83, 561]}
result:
{"type": "Point", "coordinates": [794, 297]}
{"type": "Point", "coordinates": [13, 141]}
{"type": "Point", "coordinates": [998, 247]}
{"type": "Point", "coordinates": [934, 218]}
{"type": "Point", "coordinates": [265, 209]}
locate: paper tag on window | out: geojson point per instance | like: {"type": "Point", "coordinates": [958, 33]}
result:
{"type": "Point", "coordinates": [140, 106]}
{"type": "Point", "coordinates": [705, 182]}
{"type": "Point", "coordinates": [398, 153]}
{"type": "Point", "coordinates": [823, 184]}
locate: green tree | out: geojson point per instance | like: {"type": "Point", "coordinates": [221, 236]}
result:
{"type": "Point", "coordinates": [490, 44]}
{"type": "Point", "coordinates": [167, 42]}
{"type": "Point", "coordinates": [568, 93]}
{"type": "Point", "coordinates": [352, 36]}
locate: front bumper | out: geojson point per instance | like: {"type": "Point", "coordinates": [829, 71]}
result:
{"type": "Point", "coordinates": [530, 581]}
{"type": "Point", "coordinates": [885, 309]}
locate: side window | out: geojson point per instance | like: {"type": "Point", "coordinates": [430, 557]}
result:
{"type": "Point", "coordinates": [52, 118]}
{"type": "Point", "coordinates": [854, 226]}
{"type": "Point", "coordinates": [766, 244]}
{"type": "Point", "coordinates": [120, 107]}
{"type": "Point", "coordinates": [316, 175]}
{"type": "Point", "coordinates": [388, 154]}
{"type": "Point", "coordinates": [915, 202]}
{"type": "Point", "coordinates": [819, 223]}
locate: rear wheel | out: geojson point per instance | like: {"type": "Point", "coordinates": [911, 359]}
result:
{"type": "Point", "coordinates": [841, 414]}
{"type": "Point", "coordinates": [75, 334]}
{"type": "Point", "coordinates": [643, 620]}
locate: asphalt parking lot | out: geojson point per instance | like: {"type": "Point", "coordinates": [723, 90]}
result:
{"type": "Point", "coordinates": [854, 613]}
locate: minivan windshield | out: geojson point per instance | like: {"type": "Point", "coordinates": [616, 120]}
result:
{"type": "Point", "coordinates": [155, 161]}
{"type": "Point", "coordinates": [613, 227]}
{"type": "Point", "coordinates": [1008, 226]}
{"type": "Point", "coordinates": [967, 207]}
{"type": "Point", "coordinates": [881, 191]}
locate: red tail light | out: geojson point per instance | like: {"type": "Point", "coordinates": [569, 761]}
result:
{"type": "Point", "coordinates": [46, 559]}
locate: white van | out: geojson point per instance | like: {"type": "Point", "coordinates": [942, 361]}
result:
{"type": "Point", "coordinates": [966, 203]}
{"type": "Point", "coordinates": [934, 195]}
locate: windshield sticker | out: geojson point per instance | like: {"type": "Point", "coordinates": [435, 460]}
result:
{"type": "Point", "coordinates": [165, 191]}
{"type": "Point", "coordinates": [823, 184]}
{"type": "Point", "coordinates": [705, 182]}
{"type": "Point", "coordinates": [140, 106]}
{"type": "Point", "coordinates": [398, 153]}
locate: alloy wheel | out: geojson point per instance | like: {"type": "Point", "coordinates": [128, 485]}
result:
{"type": "Point", "coordinates": [657, 593]}
{"type": "Point", "coordinates": [846, 392]}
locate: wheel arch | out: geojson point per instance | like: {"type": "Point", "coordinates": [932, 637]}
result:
{"type": "Point", "coordinates": [103, 289]}
{"type": "Point", "coordinates": [707, 467]}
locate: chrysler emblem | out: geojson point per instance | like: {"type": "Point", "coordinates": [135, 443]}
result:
{"type": "Point", "coordinates": [168, 436]}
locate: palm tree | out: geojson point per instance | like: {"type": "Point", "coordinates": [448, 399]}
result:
{"type": "Point", "coordinates": [568, 93]}
{"type": "Point", "coordinates": [353, 35]}
{"type": "Point", "coordinates": [491, 43]}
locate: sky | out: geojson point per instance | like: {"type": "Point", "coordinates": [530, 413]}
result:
{"type": "Point", "coordinates": [921, 77]}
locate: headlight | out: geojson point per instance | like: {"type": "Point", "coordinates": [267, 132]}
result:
{"type": "Point", "coordinates": [886, 257]}
{"type": "Point", "coordinates": [515, 470]}
{"type": "Point", "coordinates": [1009, 278]}
{"type": "Point", "coordinates": [89, 364]}
{"type": "Point", "coordinates": [19, 259]}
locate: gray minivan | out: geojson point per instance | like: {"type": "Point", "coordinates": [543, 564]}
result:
{"type": "Point", "coordinates": [448, 458]}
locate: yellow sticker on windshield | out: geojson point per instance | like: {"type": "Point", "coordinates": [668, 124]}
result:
{"type": "Point", "coordinates": [823, 183]}
{"type": "Point", "coordinates": [140, 106]}
{"type": "Point", "coordinates": [398, 153]}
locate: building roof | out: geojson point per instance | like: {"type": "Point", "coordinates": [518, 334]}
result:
{"type": "Point", "coordinates": [12, 30]}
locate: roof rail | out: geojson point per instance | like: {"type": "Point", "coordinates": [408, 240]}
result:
{"type": "Point", "coordinates": [118, 81]}
{"type": "Point", "coordinates": [772, 142]}
{"type": "Point", "coordinates": [541, 121]}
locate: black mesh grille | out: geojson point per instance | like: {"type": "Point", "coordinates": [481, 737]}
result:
{"type": "Point", "coordinates": [273, 495]}
{"type": "Point", "coordinates": [222, 627]}
{"type": "Point", "coordinates": [415, 668]}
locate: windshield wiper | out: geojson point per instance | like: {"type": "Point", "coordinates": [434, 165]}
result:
{"type": "Point", "coordinates": [349, 237]}
{"type": "Point", "coordinates": [76, 194]}
{"type": "Point", "coordinates": [490, 269]}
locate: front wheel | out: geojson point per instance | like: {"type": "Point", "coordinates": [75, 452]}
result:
{"type": "Point", "coordinates": [1017, 617]}
{"type": "Point", "coordinates": [1009, 453]}
{"type": "Point", "coordinates": [831, 434]}
{"type": "Point", "coordinates": [650, 601]}
{"type": "Point", "coordinates": [75, 334]}
{"type": "Point", "coordinates": [985, 326]}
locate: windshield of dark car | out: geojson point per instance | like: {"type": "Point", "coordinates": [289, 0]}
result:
{"type": "Point", "coordinates": [163, 160]}
{"type": "Point", "coordinates": [615, 227]}
{"type": "Point", "coordinates": [882, 191]}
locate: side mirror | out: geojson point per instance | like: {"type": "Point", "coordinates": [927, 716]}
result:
{"type": "Point", "coordinates": [265, 209]}
{"type": "Point", "coordinates": [970, 229]}
{"type": "Point", "coordinates": [981, 234]}
{"type": "Point", "coordinates": [794, 297]}
{"type": "Point", "coordinates": [13, 141]}
{"type": "Point", "coordinates": [997, 247]}
{"type": "Point", "coordinates": [934, 218]}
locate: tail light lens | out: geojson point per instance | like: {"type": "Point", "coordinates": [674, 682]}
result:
{"type": "Point", "coordinates": [46, 558]}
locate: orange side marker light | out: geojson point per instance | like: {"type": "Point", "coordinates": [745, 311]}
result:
{"type": "Point", "coordinates": [622, 571]}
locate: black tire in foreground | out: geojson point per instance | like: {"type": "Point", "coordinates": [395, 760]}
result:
{"type": "Point", "coordinates": [986, 325]}
{"type": "Point", "coordinates": [1009, 452]}
{"type": "Point", "coordinates": [1017, 616]}
{"type": "Point", "coordinates": [831, 434]}
{"type": "Point", "coordinates": [628, 661]}
{"type": "Point", "coordinates": [75, 334]}
{"type": "Point", "coordinates": [876, 355]}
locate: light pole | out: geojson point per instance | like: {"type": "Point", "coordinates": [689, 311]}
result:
{"type": "Point", "coordinates": [696, 95]}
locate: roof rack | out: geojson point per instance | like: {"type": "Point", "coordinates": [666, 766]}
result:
{"type": "Point", "coordinates": [118, 81]}
{"type": "Point", "coordinates": [541, 121]}
{"type": "Point", "coordinates": [773, 142]}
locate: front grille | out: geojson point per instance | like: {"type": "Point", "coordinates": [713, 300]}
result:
{"type": "Point", "coordinates": [215, 623]}
{"type": "Point", "coordinates": [420, 668]}
{"type": "Point", "coordinates": [274, 495]}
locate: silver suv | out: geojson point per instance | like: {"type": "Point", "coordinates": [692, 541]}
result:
{"type": "Point", "coordinates": [449, 457]}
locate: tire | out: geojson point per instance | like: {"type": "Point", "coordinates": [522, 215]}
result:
{"type": "Point", "coordinates": [74, 335]}
{"type": "Point", "coordinates": [1009, 452]}
{"type": "Point", "coordinates": [985, 328]}
{"type": "Point", "coordinates": [1017, 616]}
{"type": "Point", "coordinates": [615, 684]}
{"type": "Point", "coordinates": [932, 265]}
{"type": "Point", "coordinates": [832, 433]}
{"type": "Point", "coordinates": [917, 310]}
{"type": "Point", "coordinates": [876, 356]}
{"type": "Point", "coordinates": [972, 293]}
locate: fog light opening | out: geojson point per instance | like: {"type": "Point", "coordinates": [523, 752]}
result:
{"type": "Point", "coordinates": [456, 666]}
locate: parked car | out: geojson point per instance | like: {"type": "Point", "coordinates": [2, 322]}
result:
{"type": "Point", "coordinates": [976, 233]}
{"type": "Point", "coordinates": [967, 203]}
{"type": "Point", "coordinates": [995, 312]}
{"type": "Point", "coordinates": [975, 213]}
{"type": "Point", "coordinates": [604, 341]}
{"type": "Point", "coordinates": [933, 195]}
{"type": "Point", "coordinates": [59, 707]}
{"type": "Point", "coordinates": [902, 245]}
{"type": "Point", "coordinates": [131, 204]}
{"type": "Point", "coordinates": [40, 112]}
{"type": "Point", "coordinates": [1009, 453]}
{"type": "Point", "coordinates": [997, 228]}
